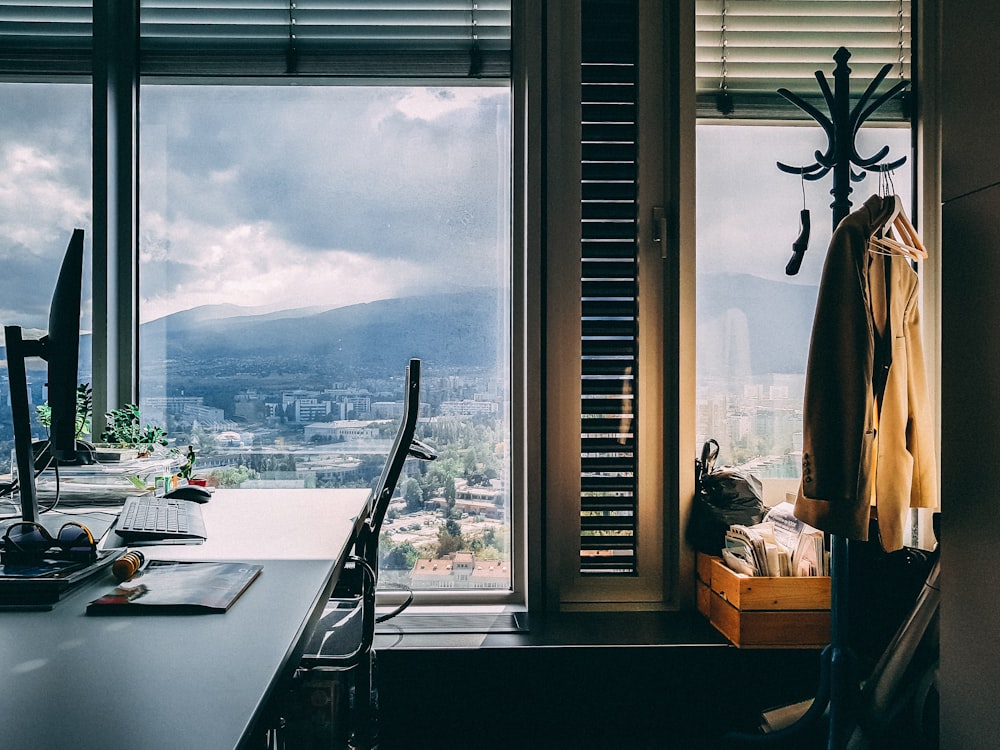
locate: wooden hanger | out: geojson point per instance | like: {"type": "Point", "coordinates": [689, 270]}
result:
{"type": "Point", "coordinates": [898, 236]}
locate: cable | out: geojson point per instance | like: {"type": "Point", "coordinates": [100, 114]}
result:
{"type": "Point", "coordinates": [400, 608]}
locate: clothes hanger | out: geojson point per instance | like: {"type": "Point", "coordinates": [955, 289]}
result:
{"type": "Point", "coordinates": [801, 243]}
{"type": "Point", "coordinates": [897, 235]}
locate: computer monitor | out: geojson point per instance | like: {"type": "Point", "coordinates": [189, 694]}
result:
{"type": "Point", "coordinates": [60, 348]}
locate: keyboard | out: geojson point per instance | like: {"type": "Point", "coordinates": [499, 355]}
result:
{"type": "Point", "coordinates": [152, 517]}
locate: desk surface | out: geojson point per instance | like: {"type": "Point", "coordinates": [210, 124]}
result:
{"type": "Point", "coordinates": [178, 681]}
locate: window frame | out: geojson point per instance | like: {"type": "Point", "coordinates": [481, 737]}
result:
{"type": "Point", "coordinates": [666, 123]}
{"type": "Point", "coordinates": [117, 87]}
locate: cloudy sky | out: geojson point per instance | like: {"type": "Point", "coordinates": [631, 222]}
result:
{"type": "Point", "coordinates": [748, 210]}
{"type": "Point", "coordinates": [303, 196]}
{"type": "Point", "coordinates": [270, 198]}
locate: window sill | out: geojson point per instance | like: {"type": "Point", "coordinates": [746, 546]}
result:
{"type": "Point", "coordinates": [499, 629]}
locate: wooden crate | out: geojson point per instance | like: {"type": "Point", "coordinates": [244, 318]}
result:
{"type": "Point", "coordinates": [764, 612]}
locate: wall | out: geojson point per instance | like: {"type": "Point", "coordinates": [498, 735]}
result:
{"type": "Point", "coordinates": [970, 377]}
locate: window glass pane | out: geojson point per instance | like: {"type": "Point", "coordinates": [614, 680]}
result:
{"type": "Point", "coordinates": [298, 245]}
{"type": "Point", "coordinates": [45, 192]}
{"type": "Point", "coordinates": [754, 321]}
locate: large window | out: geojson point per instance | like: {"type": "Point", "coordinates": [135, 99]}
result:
{"type": "Point", "coordinates": [297, 245]}
{"type": "Point", "coordinates": [754, 320]}
{"type": "Point", "coordinates": [45, 187]}
{"type": "Point", "coordinates": [324, 191]}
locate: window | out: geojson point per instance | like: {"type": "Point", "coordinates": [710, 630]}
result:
{"type": "Point", "coordinates": [605, 300]}
{"type": "Point", "coordinates": [336, 229]}
{"type": "Point", "coordinates": [45, 160]}
{"type": "Point", "coordinates": [297, 245]}
{"type": "Point", "coordinates": [754, 321]}
{"type": "Point", "coordinates": [279, 88]}
{"type": "Point", "coordinates": [357, 218]}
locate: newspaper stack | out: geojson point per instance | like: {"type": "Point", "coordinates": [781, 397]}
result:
{"type": "Point", "coordinates": [780, 545]}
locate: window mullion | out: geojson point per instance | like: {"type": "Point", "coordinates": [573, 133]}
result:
{"type": "Point", "coordinates": [116, 139]}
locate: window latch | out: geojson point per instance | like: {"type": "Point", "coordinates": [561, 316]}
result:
{"type": "Point", "coordinates": [660, 229]}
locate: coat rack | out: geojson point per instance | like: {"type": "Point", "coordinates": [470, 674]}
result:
{"type": "Point", "coordinates": [838, 679]}
{"type": "Point", "coordinates": [841, 128]}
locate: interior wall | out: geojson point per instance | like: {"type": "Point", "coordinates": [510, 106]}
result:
{"type": "Point", "coordinates": [970, 376]}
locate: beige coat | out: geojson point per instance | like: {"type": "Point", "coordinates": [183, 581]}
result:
{"type": "Point", "coordinates": [863, 443]}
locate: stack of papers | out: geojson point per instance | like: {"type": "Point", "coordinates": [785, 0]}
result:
{"type": "Point", "coordinates": [781, 545]}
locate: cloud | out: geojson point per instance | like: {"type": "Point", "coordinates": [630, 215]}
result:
{"type": "Point", "coordinates": [252, 265]}
{"type": "Point", "coordinates": [317, 195]}
{"type": "Point", "coordinates": [357, 182]}
{"type": "Point", "coordinates": [748, 210]}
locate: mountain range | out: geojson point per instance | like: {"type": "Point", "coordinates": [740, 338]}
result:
{"type": "Point", "coordinates": [448, 331]}
{"type": "Point", "coordinates": [747, 325]}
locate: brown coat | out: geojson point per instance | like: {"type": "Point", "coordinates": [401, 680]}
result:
{"type": "Point", "coordinates": [865, 443]}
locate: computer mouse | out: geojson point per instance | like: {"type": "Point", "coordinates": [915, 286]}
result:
{"type": "Point", "coordinates": [190, 492]}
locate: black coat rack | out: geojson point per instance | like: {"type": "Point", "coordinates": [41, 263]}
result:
{"type": "Point", "coordinates": [841, 129]}
{"type": "Point", "coordinates": [838, 681]}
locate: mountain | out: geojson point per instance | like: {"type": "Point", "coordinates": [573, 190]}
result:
{"type": "Point", "coordinates": [749, 325]}
{"type": "Point", "coordinates": [445, 330]}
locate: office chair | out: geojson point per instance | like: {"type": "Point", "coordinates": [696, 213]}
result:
{"type": "Point", "coordinates": [342, 640]}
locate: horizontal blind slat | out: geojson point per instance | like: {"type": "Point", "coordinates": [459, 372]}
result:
{"type": "Point", "coordinates": [772, 44]}
{"type": "Point", "coordinates": [247, 38]}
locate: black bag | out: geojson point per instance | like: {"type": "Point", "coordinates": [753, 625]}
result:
{"type": "Point", "coordinates": [723, 497]}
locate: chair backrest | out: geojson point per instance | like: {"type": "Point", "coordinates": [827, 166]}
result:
{"type": "Point", "coordinates": [378, 503]}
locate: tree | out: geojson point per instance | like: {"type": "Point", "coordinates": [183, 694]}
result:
{"type": "Point", "coordinates": [399, 557]}
{"type": "Point", "coordinates": [413, 495]}
{"type": "Point", "coordinates": [233, 476]}
{"type": "Point", "coordinates": [450, 538]}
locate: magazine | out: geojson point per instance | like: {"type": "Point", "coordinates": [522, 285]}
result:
{"type": "Point", "coordinates": [164, 586]}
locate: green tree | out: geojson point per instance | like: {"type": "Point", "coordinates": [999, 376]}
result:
{"type": "Point", "coordinates": [450, 539]}
{"type": "Point", "coordinates": [413, 495]}
{"type": "Point", "coordinates": [234, 476]}
{"type": "Point", "coordinates": [397, 557]}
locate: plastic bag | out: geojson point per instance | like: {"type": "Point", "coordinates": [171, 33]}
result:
{"type": "Point", "coordinates": [723, 497]}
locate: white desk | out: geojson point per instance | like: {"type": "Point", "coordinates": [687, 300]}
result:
{"type": "Point", "coordinates": [178, 681]}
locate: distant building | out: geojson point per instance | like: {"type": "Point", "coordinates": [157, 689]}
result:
{"type": "Point", "coordinates": [192, 408]}
{"type": "Point", "coordinates": [341, 429]}
{"type": "Point", "coordinates": [387, 409]}
{"type": "Point", "coordinates": [460, 570]}
{"type": "Point", "coordinates": [310, 409]}
{"type": "Point", "coordinates": [468, 407]}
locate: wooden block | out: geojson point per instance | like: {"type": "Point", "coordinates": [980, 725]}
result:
{"type": "Point", "coordinates": [769, 593]}
{"type": "Point", "coordinates": [770, 629]}
{"type": "Point", "coordinates": [704, 595]}
{"type": "Point", "coordinates": [704, 566]}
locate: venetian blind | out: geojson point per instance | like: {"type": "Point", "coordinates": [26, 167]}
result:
{"type": "Point", "coordinates": [49, 39]}
{"type": "Point", "coordinates": [250, 38]}
{"type": "Point", "coordinates": [609, 303]}
{"type": "Point", "coordinates": [750, 48]}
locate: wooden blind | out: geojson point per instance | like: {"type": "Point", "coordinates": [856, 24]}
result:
{"type": "Point", "coordinates": [609, 254]}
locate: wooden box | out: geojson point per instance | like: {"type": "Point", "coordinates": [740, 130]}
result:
{"type": "Point", "coordinates": [764, 612]}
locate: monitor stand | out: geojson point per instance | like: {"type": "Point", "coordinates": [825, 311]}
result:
{"type": "Point", "coordinates": [18, 349]}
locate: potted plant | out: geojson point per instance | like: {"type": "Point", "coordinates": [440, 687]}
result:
{"type": "Point", "coordinates": [124, 429]}
{"type": "Point", "coordinates": [186, 470]}
{"type": "Point", "coordinates": [84, 408]}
